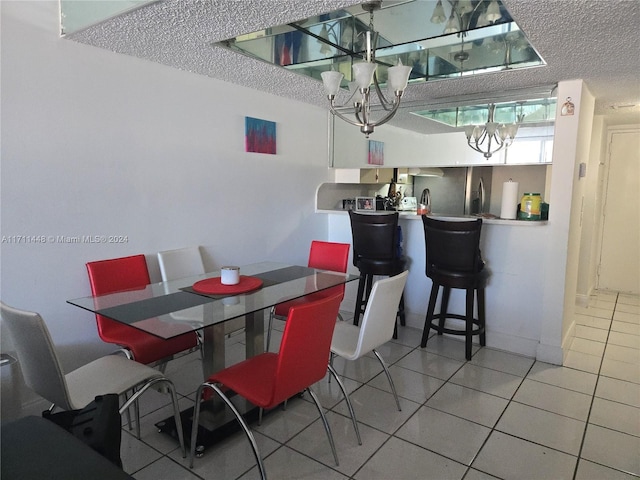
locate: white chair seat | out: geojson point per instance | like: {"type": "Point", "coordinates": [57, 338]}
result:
{"type": "Point", "coordinates": [345, 340]}
{"type": "Point", "coordinates": [43, 374]}
{"type": "Point", "coordinates": [111, 374]}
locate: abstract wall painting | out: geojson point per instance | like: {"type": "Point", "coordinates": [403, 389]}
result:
{"type": "Point", "coordinates": [260, 136]}
{"type": "Point", "coordinates": [376, 153]}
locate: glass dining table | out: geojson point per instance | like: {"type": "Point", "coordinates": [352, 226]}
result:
{"type": "Point", "coordinates": [172, 308]}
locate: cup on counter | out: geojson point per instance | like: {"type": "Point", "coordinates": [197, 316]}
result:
{"type": "Point", "coordinates": [422, 209]}
{"type": "Point", "coordinates": [230, 275]}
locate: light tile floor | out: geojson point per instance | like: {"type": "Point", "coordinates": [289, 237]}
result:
{"type": "Point", "coordinates": [498, 415]}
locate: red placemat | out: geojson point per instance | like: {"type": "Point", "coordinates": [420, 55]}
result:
{"type": "Point", "coordinates": [213, 286]}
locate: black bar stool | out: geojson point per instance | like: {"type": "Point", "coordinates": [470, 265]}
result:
{"type": "Point", "coordinates": [375, 252]}
{"type": "Point", "coordinates": [454, 261]}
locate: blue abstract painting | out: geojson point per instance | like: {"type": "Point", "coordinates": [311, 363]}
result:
{"type": "Point", "coordinates": [260, 136]}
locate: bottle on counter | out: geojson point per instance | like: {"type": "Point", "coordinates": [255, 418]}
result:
{"type": "Point", "coordinates": [530, 207]}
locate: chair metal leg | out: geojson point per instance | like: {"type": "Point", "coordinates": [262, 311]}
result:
{"type": "Point", "coordinates": [260, 411]}
{"type": "Point", "coordinates": [327, 428]}
{"type": "Point", "coordinates": [444, 307]}
{"type": "Point", "coordinates": [481, 316]}
{"type": "Point", "coordinates": [401, 314]}
{"type": "Point", "coordinates": [386, 371]}
{"type": "Point", "coordinates": [272, 313]}
{"type": "Point", "coordinates": [128, 412]}
{"type": "Point", "coordinates": [468, 337]}
{"type": "Point", "coordinates": [162, 366]}
{"type": "Point", "coordinates": [348, 400]}
{"type": "Point", "coordinates": [429, 318]}
{"type": "Point", "coordinates": [360, 295]}
{"type": "Point", "coordinates": [241, 421]}
{"type": "Point", "coordinates": [136, 409]}
{"type": "Point", "coordinates": [174, 401]}
{"type": "Point", "coordinates": [331, 357]}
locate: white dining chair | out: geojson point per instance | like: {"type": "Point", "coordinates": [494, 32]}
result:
{"type": "Point", "coordinates": [376, 328]}
{"type": "Point", "coordinates": [187, 262]}
{"type": "Point", "coordinates": [75, 390]}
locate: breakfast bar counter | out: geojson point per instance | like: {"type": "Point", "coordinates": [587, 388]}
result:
{"type": "Point", "coordinates": [513, 251]}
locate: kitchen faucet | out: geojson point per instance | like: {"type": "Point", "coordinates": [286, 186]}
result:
{"type": "Point", "coordinates": [425, 199]}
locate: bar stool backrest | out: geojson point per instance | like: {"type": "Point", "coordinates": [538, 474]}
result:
{"type": "Point", "coordinates": [375, 236]}
{"type": "Point", "coordinates": [452, 246]}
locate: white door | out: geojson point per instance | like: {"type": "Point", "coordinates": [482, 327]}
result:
{"type": "Point", "coordinates": [620, 252]}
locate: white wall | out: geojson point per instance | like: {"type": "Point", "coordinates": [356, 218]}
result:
{"type": "Point", "coordinates": [96, 143]}
{"type": "Point", "coordinates": [571, 146]}
{"type": "Point", "coordinates": [590, 217]}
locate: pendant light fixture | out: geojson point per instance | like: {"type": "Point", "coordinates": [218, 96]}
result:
{"type": "Point", "coordinates": [492, 136]}
{"type": "Point", "coordinates": [364, 75]}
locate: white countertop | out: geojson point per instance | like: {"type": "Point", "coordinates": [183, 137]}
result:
{"type": "Point", "coordinates": [411, 215]}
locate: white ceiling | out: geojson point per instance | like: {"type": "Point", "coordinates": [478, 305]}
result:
{"type": "Point", "coordinates": [594, 40]}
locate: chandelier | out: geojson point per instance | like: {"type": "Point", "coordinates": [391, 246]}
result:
{"type": "Point", "coordinates": [364, 74]}
{"type": "Point", "coordinates": [492, 136]}
{"type": "Point", "coordinates": [464, 13]}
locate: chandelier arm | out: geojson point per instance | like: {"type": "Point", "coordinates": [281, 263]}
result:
{"type": "Point", "coordinates": [383, 100]}
{"type": "Point", "coordinates": [488, 153]}
{"type": "Point", "coordinates": [348, 99]}
{"type": "Point", "coordinates": [341, 116]}
{"type": "Point", "coordinates": [390, 115]}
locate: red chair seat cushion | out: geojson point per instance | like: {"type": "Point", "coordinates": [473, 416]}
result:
{"type": "Point", "coordinates": [146, 348]}
{"type": "Point", "coordinates": [252, 379]}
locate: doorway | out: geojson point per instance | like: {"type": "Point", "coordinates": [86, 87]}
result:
{"type": "Point", "coordinates": [619, 267]}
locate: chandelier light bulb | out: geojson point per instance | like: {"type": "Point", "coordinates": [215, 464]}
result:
{"type": "Point", "coordinates": [363, 74]}
{"type": "Point", "coordinates": [438, 15]}
{"type": "Point", "coordinates": [332, 81]}
{"type": "Point", "coordinates": [493, 12]}
{"type": "Point", "coordinates": [398, 77]}
{"type": "Point", "coordinates": [464, 6]}
{"type": "Point", "coordinates": [482, 20]}
{"type": "Point", "coordinates": [452, 25]}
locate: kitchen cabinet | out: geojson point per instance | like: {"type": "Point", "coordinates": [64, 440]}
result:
{"type": "Point", "coordinates": [382, 175]}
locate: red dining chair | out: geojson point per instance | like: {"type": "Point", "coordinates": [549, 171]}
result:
{"type": "Point", "coordinates": [130, 273]}
{"type": "Point", "coordinates": [268, 379]}
{"type": "Point", "coordinates": [322, 256]}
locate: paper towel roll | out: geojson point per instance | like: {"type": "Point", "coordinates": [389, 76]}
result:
{"type": "Point", "coordinates": [509, 200]}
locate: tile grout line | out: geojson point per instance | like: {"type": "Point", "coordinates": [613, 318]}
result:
{"type": "Point", "coordinates": [595, 388]}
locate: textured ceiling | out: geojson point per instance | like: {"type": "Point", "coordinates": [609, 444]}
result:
{"type": "Point", "coordinates": [594, 40]}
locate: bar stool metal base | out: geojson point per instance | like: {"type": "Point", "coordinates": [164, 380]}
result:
{"type": "Point", "coordinates": [437, 320]}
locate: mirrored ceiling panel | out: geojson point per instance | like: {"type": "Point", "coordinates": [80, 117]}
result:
{"type": "Point", "coordinates": [438, 39]}
{"type": "Point", "coordinates": [532, 112]}
{"type": "Point", "coordinates": [77, 15]}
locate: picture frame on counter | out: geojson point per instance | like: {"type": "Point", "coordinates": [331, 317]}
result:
{"type": "Point", "coordinates": [365, 204]}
